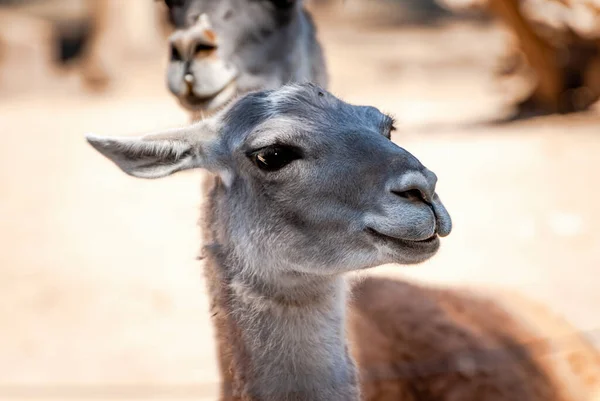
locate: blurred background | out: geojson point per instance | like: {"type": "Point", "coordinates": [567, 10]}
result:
{"type": "Point", "coordinates": [101, 295]}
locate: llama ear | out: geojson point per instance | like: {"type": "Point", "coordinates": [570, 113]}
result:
{"type": "Point", "coordinates": [161, 154]}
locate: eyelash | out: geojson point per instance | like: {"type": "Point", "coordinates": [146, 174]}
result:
{"type": "Point", "coordinates": [392, 125]}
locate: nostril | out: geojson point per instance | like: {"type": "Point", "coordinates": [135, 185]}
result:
{"type": "Point", "coordinates": [413, 185]}
{"type": "Point", "coordinates": [189, 82]}
{"type": "Point", "coordinates": [411, 194]}
{"type": "Point", "coordinates": [175, 54]}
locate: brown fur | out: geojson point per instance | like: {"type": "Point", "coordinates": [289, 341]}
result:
{"type": "Point", "coordinates": [559, 45]}
{"type": "Point", "coordinates": [217, 297]}
{"type": "Point", "coordinates": [564, 85]}
{"type": "Point", "coordinates": [432, 344]}
{"type": "Point", "coordinates": [415, 343]}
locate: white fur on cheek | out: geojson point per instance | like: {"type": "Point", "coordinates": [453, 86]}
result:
{"type": "Point", "coordinates": [227, 177]}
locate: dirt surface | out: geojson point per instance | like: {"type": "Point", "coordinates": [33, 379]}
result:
{"type": "Point", "coordinates": [102, 297]}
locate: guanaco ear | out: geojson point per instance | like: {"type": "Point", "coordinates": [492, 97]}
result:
{"type": "Point", "coordinates": [161, 154]}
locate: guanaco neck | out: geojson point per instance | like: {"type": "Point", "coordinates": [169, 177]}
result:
{"type": "Point", "coordinates": [275, 343]}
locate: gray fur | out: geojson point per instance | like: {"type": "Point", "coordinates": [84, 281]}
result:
{"type": "Point", "coordinates": [259, 45]}
{"type": "Point", "coordinates": [283, 239]}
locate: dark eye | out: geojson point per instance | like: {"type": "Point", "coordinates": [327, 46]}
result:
{"type": "Point", "coordinates": [174, 3]}
{"type": "Point", "coordinates": [283, 3]}
{"type": "Point", "coordinates": [273, 158]}
{"type": "Point", "coordinates": [201, 47]}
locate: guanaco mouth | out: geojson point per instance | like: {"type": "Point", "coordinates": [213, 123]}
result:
{"type": "Point", "coordinates": [190, 100]}
{"type": "Point", "coordinates": [434, 238]}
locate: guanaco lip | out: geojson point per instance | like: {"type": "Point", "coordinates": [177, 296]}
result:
{"type": "Point", "coordinates": [193, 100]}
{"type": "Point", "coordinates": [381, 236]}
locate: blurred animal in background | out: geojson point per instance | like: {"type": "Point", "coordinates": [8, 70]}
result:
{"type": "Point", "coordinates": [88, 51]}
{"type": "Point", "coordinates": [197, 76]}
{"type": "Point", "coordinates": [275, 275]}
{"type": "Point", "coordinates": [226, 47]}
{"type": "Point", "coordinates": [87, 39]}
{"type": "Point", "coordinates": [67, 31]}
{"type": "Point", "coordinates": [559, 42]}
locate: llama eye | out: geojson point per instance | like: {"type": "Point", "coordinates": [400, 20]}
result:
{"type": "Point", "coordinates": [273, 158]}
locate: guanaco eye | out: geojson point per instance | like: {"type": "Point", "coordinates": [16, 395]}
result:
{"type": "Point", "coordinates": [174, 3]}
{"type": "Point", "coordinates": [273, 158]}
{"type": "Point", "coordinates": [202, 47]}
{"type": "Point", "coordinates": [283, 3]}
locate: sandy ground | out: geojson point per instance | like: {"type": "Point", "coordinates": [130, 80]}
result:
{"type": "Point", "coordinates": [101, 295]}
